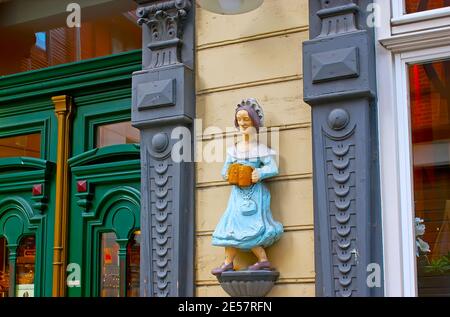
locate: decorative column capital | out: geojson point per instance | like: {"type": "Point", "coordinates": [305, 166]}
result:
{"type": "Point", "coordinates": [63, 104]}
{"type": "Point", "coordinates": [163, 23]}
{"type": "Point", "coordinates": [179, 7]}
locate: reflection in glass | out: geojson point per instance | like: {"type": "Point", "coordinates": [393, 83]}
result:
{"type": "Point", "coordinates": [424, 5]}
{"type": "Point", "coordinates": [110, 266]}
{"type": "Point", "coordinates": [430, 129]}
{"type": "Point", "coordinates": [25, 267]}
{"type": "Point", "coordinates": [39, 44]}
{"type": "Point", "coordinates": [133, 264]}
{"type": "Point", "coordinates": [41, 40]}
{"type": "Point", "coordinates": [4, 268]}
{"type": "Point", "coordinates": [21, 145]}
{"type": "Point", "coordinates": [116, 133]}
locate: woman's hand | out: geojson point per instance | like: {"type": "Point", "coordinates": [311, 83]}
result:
{"type": "Point", "coordinates": [255, 176]}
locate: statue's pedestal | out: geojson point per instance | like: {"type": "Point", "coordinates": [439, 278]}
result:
{"type": "Point", "coordinates": [248, 283]}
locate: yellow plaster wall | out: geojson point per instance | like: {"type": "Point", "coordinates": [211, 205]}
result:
{"type": "Point", "coordinates": [257, 54]}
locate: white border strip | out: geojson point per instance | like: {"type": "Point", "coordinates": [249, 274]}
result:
{"type": "Point", "coordinates": [421, 16]}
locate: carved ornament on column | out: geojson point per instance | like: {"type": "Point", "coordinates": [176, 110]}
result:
{"type": "Point", "coordinates": [340, 144]}
{"type": "Point", "coordinates": [165, 22]}
{"type": "Point", "coordinates": [337, 17]}
{"type": "Point", "coordinates": [161, 212]}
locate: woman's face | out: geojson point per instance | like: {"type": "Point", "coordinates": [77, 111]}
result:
{"type": "Point", "coordinates": [244, 121]}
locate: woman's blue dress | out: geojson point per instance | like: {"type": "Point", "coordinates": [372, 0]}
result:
{"type": "Point", "coordinates": [246, 224]}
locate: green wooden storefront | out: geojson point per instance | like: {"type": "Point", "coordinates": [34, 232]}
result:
{"type": "Point", "coordinates": [102, 184]}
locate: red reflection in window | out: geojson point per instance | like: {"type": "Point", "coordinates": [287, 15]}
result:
{"type": "Point", "coordinates": [4, 268]}
{"type": "Point", "coordinates": [424, 5]}
{"type": "Point", "coordinates": [430, 129]}
{"type": "Point", "coordinates": [133, 265]}
{"type": "Point", "coordinates": [21, 145]}
{"type": "Point", "coordinates": [103, 32]}
{"type": "Point", "coordinates": [25, 267]}
{"type": "Point", "coordinates": [110, 266]}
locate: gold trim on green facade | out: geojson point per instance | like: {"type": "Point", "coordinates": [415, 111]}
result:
{"type": "Point", "coordinates": [64, 110]}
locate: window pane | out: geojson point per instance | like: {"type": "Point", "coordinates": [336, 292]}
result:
{"type": "Point", "coordinates": [424, 5]}
{"type": "Point", "coordinates": [25, 267]}
{"type": "Point", "coordinates": [430, 123]}
{"type": "Point", "coordinates": [116, 133]}
{"type": "Point", "coordinates": [21, 145]}
{"type": "Point", "coordinates": [110, 266]}
{"type": "Point", "coordinates": [36, 44]}
{"type": "Point", "coordinates": [133, 264]}
{"type": "Point", "coordinates": [4, 269]}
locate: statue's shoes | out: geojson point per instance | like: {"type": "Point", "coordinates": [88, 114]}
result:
{"type": "Point", "coordinates": [223, 268]}
{"type": "Point", "coordinates": [264, 265]}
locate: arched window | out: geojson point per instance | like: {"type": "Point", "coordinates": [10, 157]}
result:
{"type": "Point", "coordinates": [116, 270]}
{"type": "Point", "coordinates": [25, 267]}
{"type": "Point", "coordinates": [110, 265]}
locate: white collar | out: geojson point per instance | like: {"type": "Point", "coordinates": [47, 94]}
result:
{"type": "Point", "coordinates": [256, 150]}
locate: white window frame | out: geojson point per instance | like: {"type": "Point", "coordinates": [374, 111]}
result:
{"type": "Point", "coordinates": [401, 41]}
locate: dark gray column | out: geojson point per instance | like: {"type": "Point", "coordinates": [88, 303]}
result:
{"type": "Point", "coordinates": [339, 84]}
{"type": "Point", "coordinates": [164, 99]}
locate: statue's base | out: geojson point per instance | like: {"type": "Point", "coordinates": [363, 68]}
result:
{"type": "Point", "coordinates": [248, 283]}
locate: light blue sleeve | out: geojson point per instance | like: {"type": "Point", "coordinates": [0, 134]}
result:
{"type": "Point", "coordinates": [227, 164]}
{"type": "Point", "coordinates": [269, 167]}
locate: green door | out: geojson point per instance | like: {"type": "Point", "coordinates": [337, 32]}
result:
{"type": "Point", "coordinates": [101, 236]}
{"type": "Point", "coordinates": [104, 236]}
{"type": "Point", "coordinates": [27, 135]}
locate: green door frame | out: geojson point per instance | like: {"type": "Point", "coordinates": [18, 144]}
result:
{"type": "Point", "coordinates": [22, 214]}
{"type": "Point", "coordinates": [110, 201]}
{"type": "Point", "coordinates": [18, 176]}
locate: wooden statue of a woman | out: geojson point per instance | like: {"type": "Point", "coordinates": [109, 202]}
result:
{"type": "Point", "coordinates": [247, 223]}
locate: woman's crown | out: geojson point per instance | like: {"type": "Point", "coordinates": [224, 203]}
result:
{"type": "Point", "coordinates": [252, 102]}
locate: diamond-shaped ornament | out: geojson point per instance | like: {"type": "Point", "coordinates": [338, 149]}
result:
{"type": "Point", "coordinates": [37, 190]}
{"type": "Point", "coordinates": [82, 186]}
